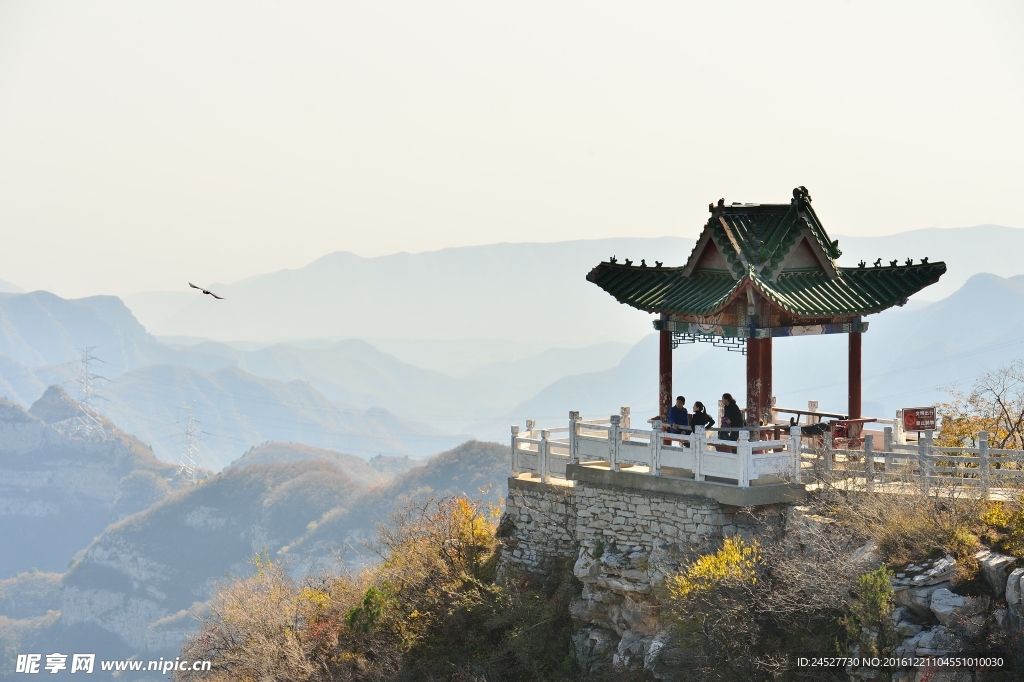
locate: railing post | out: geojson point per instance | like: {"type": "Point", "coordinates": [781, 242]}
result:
{"type": "Point", "coordinates": [869, 461]}
{"type": "Point", "coordinates": [887, 440]}
{"type": "Point", "coordinates": [922, 458]}
{"type": "Point", "coordinates": [515, 453]}
{"type": "Point", "coordinates": [530, 424]}
{"type": "Point", "coordinates": [794, 452]}
{"type": "Point", "coordinates": [983, 463]}
{"type": "Point", "coordinates": [699, 445]}
{"type": "Point", "coordinates": [656, 447]}
{"type": "Point", "coordinates": [624, 421]}
{"type": "Point", "coordinates": [542, 456]}
{"type": "Point", "coordinates": [613, 443]}
{"type": "Point", "coordinates": [574, 452]}
{"type": "Point", "coordinates": [744, 450]}
{"type": "Point", "coordinates": [828, 452]}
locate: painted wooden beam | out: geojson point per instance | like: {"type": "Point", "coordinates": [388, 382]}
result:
{"type": "Point", "coordinates": [664, 372]}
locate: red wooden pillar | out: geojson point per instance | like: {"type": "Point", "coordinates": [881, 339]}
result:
{"type": "Point", "coordinates": [766, 380]}
{"type": "Point", "coordinates": [854, 377]}
{"type": "Point", "coordinates": [664, 369]}
{"type": "Point", "coordinates": [754, 379]}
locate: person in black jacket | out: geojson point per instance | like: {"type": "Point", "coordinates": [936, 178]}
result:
{"type": "Point", "coordinates": [732, 416]}
{"type": "Point", "coordinates": [700, 417]}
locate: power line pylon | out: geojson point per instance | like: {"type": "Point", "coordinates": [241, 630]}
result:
{"type": "Point", "coordinates": [86, 423]}
{"type": "Point", "coordinates": [189, 459]}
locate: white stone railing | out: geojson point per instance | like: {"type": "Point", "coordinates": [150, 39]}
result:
{"type": "Point", "coordinates": [609, 443]}
{"type": "Point", "coordinates": [612, 444]}
{"type": "Point", "coordinates": [981, 467]}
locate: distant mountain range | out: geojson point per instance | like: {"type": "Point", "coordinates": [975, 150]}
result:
{"type": "Point", "coordinates": [138, 587]}
{"type": "Point", "coordinates": [350, 396]}
{"type": "Point", "coordinates": [525, 293]}
{"type": "Point", "coordinates": [911, 355]}
{"type": "Point", "coordinates": [346, 395]}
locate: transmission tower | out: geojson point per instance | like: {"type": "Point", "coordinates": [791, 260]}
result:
{"type": "Point", "coordinates": [85, 423]}
{"type": "Point", "coordinates": [189, 460]}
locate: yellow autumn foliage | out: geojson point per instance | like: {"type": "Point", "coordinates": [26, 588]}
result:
{"type": "Point", "coordinates": [736, 561]}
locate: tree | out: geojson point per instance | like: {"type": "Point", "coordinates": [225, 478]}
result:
{"type": "Point", "coordinates": [995, 404]}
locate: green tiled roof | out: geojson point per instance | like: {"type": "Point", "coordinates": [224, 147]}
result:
{"type": "Point", "coordinates": [760, 235]}
{"type": "Point", "coordinates": [665, 289]}
{"type": "Point", "coordinates": [856, 291]}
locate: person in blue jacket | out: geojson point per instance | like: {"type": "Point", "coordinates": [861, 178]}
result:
{"type": "Point", "coordinates": [678, 417]}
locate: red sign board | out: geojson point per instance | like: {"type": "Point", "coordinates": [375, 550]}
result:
{"type": "Point", "coordinates": [918, 419]}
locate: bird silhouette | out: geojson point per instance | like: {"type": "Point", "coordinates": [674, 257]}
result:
{"type": "Point", "coordinates": [206, 291]}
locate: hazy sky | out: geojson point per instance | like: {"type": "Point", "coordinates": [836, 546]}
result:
{"type": "Point", "coordinates": [143, 144]}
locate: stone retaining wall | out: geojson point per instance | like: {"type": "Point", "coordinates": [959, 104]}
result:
{"type": "Point", "coordinates": [620, 543]}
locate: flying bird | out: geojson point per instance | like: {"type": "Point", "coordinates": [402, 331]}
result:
{"type": "Point", "coordinates": [206, 291]}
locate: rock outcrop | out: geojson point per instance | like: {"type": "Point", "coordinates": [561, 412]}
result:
{"type": "Point", "coordinates": [59, 488]}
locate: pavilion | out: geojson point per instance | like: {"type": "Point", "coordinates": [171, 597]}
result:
{"type": "Point", "coordinates": [757, 272]}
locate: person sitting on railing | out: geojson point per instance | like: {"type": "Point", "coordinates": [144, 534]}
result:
{"type": "Point", "coordinates": [731, 416]}
{"type": "Point", "coordinates": [700, 417]}
{"type": "Point", "coordinates": [678, 418]}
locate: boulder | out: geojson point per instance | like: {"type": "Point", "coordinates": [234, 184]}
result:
{"type": "Point", "coordinates": [917, 599]}
{"type": "Point", "coordinates": [938, 641]}
{"type": "Point", "coordinates": [953, 610]}
{"type": "Point", "coordinates": [905, 628]}
{"type": "Point", "coordinates": [866, 556]}
{"type": "Point", "coordinates": [1015, 599]}
{"type": "Point", "coordinates": [995, 568]}
{"type": "Point", "coordinates": [940, 572]}
{"type": "Point", "coordinates": [586, 568]}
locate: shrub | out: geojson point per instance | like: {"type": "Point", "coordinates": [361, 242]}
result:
{"type": "Point", "coordinates": [736, 561]}
{"type": "Point", "coordinates": [747, 610]}
{"type": "Point", "coordinates": [429, 610]}
{"type": "Point", "coordinates": [868, 624]}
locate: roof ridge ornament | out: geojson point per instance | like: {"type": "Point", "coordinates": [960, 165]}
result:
{"type": "Point", "coordinates": [801, 195]}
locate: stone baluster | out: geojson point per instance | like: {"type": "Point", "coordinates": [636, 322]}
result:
{"type": "Point", "coordinates": [624, 421]}
{"type": "Point", "coordinates": [745, 452]}
{"type": "Point", "coordinates": [983, 462]}
{"type": "Point", "coordinates": [828, 454]}
{"type": "Point", "coordinates": [613, 442]}
{"type": "Point", "coordinates": [922, 459]}
{"type": "Point", "coordinates": [515, 451]}
{"type": "Point", "coordinates": [574, 451]}
{"type": "Point", "coordinates": [656, 447]}
{"type": "Point", "coordinates": [698, 443]}
{"type": "Point", "coordinates": [890, 459]}
{"type": "Point", "coordinates": [869, 461]}
{"type": "Point", "coordinates": [542, 456]}
{"type": "Point", "coordinates": [794, 452]}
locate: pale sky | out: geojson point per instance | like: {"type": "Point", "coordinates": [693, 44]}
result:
{"type": "Point", "coordinates": [144, 144]}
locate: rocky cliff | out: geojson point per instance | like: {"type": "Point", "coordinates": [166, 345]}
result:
{"type": "Point", "coordinates": [61, 486]}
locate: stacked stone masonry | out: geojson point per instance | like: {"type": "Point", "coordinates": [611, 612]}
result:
{"type": "Point", "coordinates": [620, 542]}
